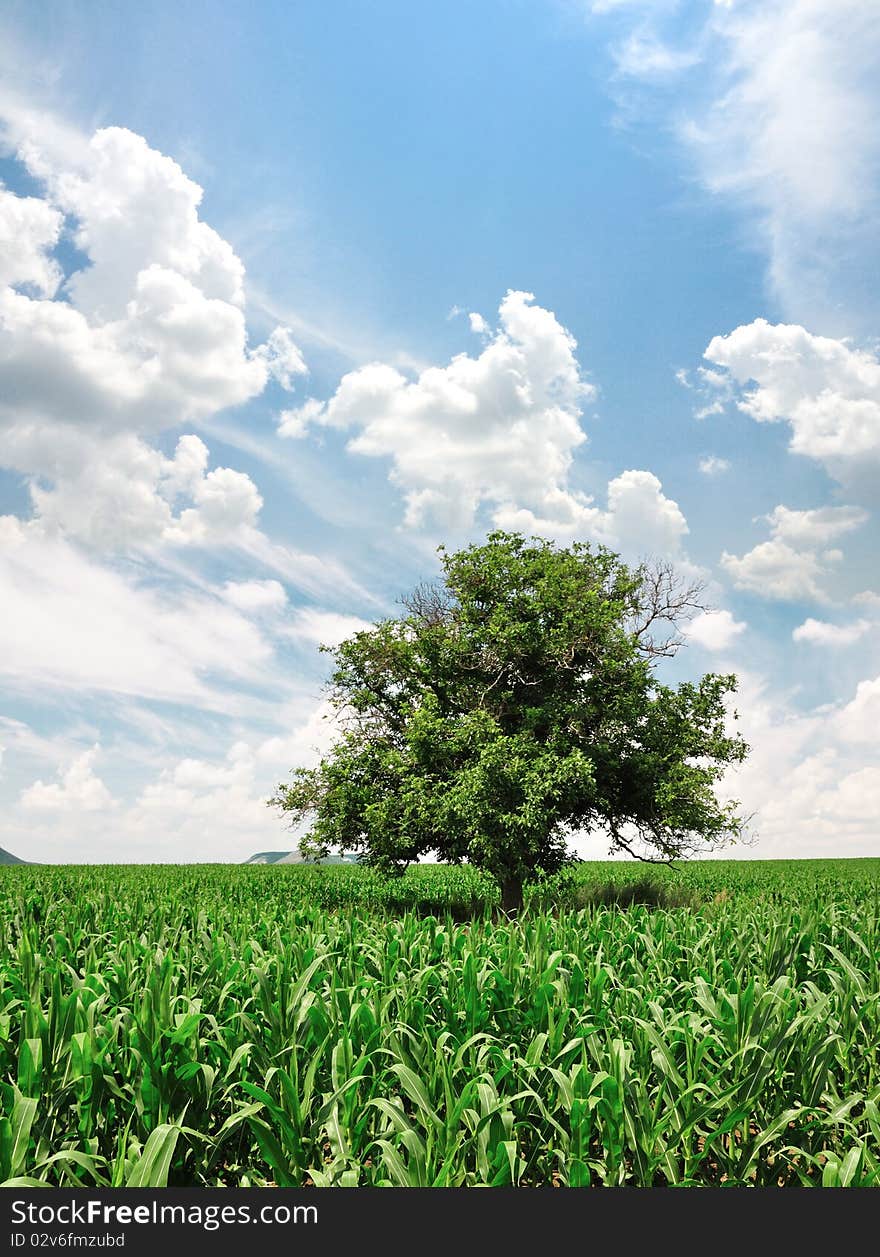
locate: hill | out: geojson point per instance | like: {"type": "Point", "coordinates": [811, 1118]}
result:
{"type": "Point", "coordinates": [6, 857]}
{"type": "Point", "coordinates": [294, 857]}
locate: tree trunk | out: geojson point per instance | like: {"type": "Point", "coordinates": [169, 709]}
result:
{"type": "Point", "coordinates": [511, 894]}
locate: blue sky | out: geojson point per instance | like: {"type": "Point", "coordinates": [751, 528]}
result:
{"type": "Point", "coordinates": [292, 293]}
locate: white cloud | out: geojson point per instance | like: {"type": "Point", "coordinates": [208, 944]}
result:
{"type": "Point", "coordinates": [715, 388]}
{"type": "Point", "coordinates": [807, 779]}
{"type": "Point", "coordinates": [793, 563]}
{"type": "Point", "coordinates": [150, 335]}
{"type": "Point", "coordinates": [775, 569]}
{"type": "Point", "coordinates": [53, 748]}
{"type": "Point", "coordinates": [642, 55]}
{"type": "Point", "coordinates": [497, 431]}
{"type": "Point", "coordinates": [194, 808]}
{"type": "Point", "coordinates": [714, 630]}
{"type": "Point", "coordinates": [314, 732]}
{"type": "Point", "coordinates": [134, 208]}
{"type": "Point", "coordinates": [776, 104]}
{"type": "Point", "coordinates": [297, 421]}
{"type": "Point", "coordinates": [499, 428]}
{"type": "Point", "coordinates": [859, 719]}
{"type": "Point", "coordinates": [108, 494]}
{"type": "Point", "coordinates": [848, 801]}
{"type": "Point", "coordinates": [254, 596]}
{"type": "Point", "coordinates": [791, 130]}
{"type": "Point", "coordinates": [198, 810]}
{"type": "Point", "coordinates": [713, 466]}
{"type": "Point", "coordinates": [174, 356]}
{"type": "Point", "coordinates": [820, 633]}
{"type": "Point", "coordinates": [817, 527]}
{"type": "Point", "coordinates": [79, 789]}
{"type": "Point", "coordinates": [118, 492]}
{"type": "Point", "coordinates": [238, 785]}
{"type": "Point", "coordinates": [226, 504]}
{"type": "Point", "coordinates": [282, 357]}
{"type": "Point", "coordinates": [827, 391]}
{"type": "Point", "coordinates": [69, 622]}
{"type": "Point", "coordinates": [325, 628]}
{"type": "Point", "coordinates": [314, 574]}
{"type": "Point", "coordinates": [640, 516]}
{"type": "Point", "coordinates": [29, 230]}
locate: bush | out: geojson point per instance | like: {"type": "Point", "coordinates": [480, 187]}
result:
{"type": "Point", "coordinates": [569, 889]}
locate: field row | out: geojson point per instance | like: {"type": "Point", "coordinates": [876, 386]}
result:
{"type": "Point", "coordinates": [218, 1027]}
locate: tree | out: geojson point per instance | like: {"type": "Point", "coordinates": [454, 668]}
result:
{"type": "Point", "coordinates": [517, 702]}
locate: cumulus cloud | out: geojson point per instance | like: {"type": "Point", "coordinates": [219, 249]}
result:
{"type": "Point", "coordinates": [282, 357]}
{"type": "Point", "coordinates": [313, 734]}
{"type": "Point", "coordinates": [820, 633]}
{"type": "Point", "coordinates": [78, 790]}
{"type": "Point", "coordinates": [297, 421]}
{"type": "Point", "coordinates": [808, 784]}
{"type": "Point", "coordinates": [714, 630]}
{"type": "Point", "coordinates": [793, 563]}
{"type": "Point", "coordinates": [826, 390]}
{"type": "Point", "coordinates": [119, 492]}
{"type": "Point", "coordinates": [774, 569]}
{"type": "Point", "coordinates": [217, 808]}
{"type": "Point", "coordinates": [858, 720]}
{"type": "Point", "coordinates": [133, 208]}
{"type": "Point", "coordinates": [807, 781]}
{"type": "Point", "coordinates": [201, 810]}
{"type": "Point", "coordinates": [193, 810]}
{"type": "Point", "coordinates": [29, 231]}
{"type": "Point", "coordinates": [640, 516]}
{"type": "Point", "coordinates": [208, 807]}
{"type": "Point", "coordinates": [817, 527]}
{"type": "Point", "coordinates": [498, 432]}
{"type": "Point", "coordinates": [174, 356]}
{"type": "Point", "coordinates": [227, 503]}
{"type": "Point", "coordinates": [149, 335]}
{"type": "Point", "coordinates": [498, 428]}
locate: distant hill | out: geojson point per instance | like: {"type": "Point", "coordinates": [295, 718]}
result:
{"type": "Point", "coordinates": [6, 857]}
{"type": "Point", "coordinates": [294, 857]}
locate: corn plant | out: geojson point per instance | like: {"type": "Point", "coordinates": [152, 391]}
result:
{"type": "Point", "coordinates": [224, 1026]}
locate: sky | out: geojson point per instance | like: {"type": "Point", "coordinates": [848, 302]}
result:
{"type": "Point", "coordinates": [291, 293]}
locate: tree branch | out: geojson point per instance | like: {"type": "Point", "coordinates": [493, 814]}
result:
{"type": "Point", "coordinates": [430, 603]}
{"type": "Point", "coordinates": [663, 597]}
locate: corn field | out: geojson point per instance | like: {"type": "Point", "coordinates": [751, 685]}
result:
{"type": "Point", "coordinates": [290, 1026]}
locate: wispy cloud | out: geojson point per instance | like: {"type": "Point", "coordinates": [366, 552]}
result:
{"type": "Point", "coordinates": [775, 108]}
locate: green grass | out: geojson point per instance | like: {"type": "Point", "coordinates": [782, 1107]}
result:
{"type": "Point", "coordinates": [262, 1025]}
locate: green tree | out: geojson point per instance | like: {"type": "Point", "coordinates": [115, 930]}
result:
{"type": "Point", "coordinates": [515, 703]}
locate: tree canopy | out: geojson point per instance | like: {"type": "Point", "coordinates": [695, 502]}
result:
{"type": "Point", "coordinates": [515, 703]}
